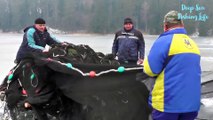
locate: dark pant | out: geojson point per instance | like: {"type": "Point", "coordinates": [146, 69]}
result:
{"type": "Point", "coordinates": [157, 115]}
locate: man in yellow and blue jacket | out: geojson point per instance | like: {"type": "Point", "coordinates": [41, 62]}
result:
{"type": "Point", "coordinates": [174, 60]}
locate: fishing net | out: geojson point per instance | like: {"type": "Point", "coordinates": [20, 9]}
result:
{"type": "Point", "coordinates": [98, 87]}
{"type": "Point", "coordinates": [77, 83]}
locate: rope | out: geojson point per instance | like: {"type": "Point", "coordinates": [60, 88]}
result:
{"type": "Point", "coordinates": [60, 55]}
{"type": "Point", "coordinates": [34, 77]}
{"type": "Point", "coordinates": [93, 74]}
{"type": "Point", "coordinates": [10, 75]}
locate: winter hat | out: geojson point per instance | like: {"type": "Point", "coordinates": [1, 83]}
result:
{"type": "Point", "coordinates": [39, 21]}
{"type": "Point", "coordinates": [172, 17]}
{"type": "Point", "coordinates": [128, 20]}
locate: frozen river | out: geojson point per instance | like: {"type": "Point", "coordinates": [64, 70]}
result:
{"type": "Point", "coordinates": [9, 44]}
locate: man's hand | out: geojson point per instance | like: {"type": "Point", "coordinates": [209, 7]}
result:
{"type": "Point", "coordinates": [64, 43]}
{"type": "Point", "coordinates": [45, 51]}
{"type": "Point", "coordinates": [140, 62]}
{"type": "Point", "coordinates": [27, 105]}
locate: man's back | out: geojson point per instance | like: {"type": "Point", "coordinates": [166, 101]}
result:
{"type": "Point", "coordinates": [174, 60]}
{"type": "Point", "coordinates": [179, 74]}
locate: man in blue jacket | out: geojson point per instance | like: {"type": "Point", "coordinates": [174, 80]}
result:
{"type": "Point", "coordinates": [35, 39]}
{"type": "Point", "coordinates": [129, 44]}
{"type": "Point", "coordinates": [174, 60]}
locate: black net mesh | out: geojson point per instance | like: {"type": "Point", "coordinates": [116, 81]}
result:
{"type": "Point", "coordinates": [64, 73]}
{"type": "Point", "coordinates": [58, 83]}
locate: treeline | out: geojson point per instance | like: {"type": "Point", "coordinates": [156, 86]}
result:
{"type": "Point", "coordinates": [100, 16]}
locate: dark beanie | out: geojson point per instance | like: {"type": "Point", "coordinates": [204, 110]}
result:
{"type": "Point", "coordinates": [128, 20]}
{"type": "Point", "coordinates": [39, 21]}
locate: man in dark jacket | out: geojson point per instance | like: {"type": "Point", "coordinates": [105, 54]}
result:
{"type": "Point", "coordinates": [35, 39]}
{"type": "Point", "coordinates": [129, 44]}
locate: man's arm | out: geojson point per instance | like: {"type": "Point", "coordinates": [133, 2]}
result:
{"type": "Point", "coordinates": [52, 40]}
{"type": "Point", "coordinates": [154, 63]}
{"type": "Point", "coordinates": [115, 46]}
{"type": "Point", "coordinates": [141, 46]}
{"type": "Point", "coordinates": [31, 42]}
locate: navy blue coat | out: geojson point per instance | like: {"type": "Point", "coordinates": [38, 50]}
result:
{"type": "Point", "coordinates": [129, 46]}
{"type": "Point", "coordinates": [34, 41]}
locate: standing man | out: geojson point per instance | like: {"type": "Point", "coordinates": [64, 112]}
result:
{"type": "Point", "coordinates": [35, 39]}
{"type": "Point", "coordinates": [174, 60]}
{"type": "Point", "coordinates": [129, 44]}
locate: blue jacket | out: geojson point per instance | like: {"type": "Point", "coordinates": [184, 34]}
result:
{"type": "Point", "coordinates": [175, 60]}
{"type": "Point", "coordinates": [127, 45]}
{"type": "Point", "coordinates": [34, 41]}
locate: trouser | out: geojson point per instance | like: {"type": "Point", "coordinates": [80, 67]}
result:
{"type": "Point", "coordinates": [157, 115]}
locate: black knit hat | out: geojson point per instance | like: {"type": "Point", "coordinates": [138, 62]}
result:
{"type": "Point", "coordinates": [39, 21]}
{"type": "Point", "coordinates": [128, 20]}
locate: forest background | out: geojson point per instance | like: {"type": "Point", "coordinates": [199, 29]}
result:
{"type": "Point", "coordinates": [105, 16]}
